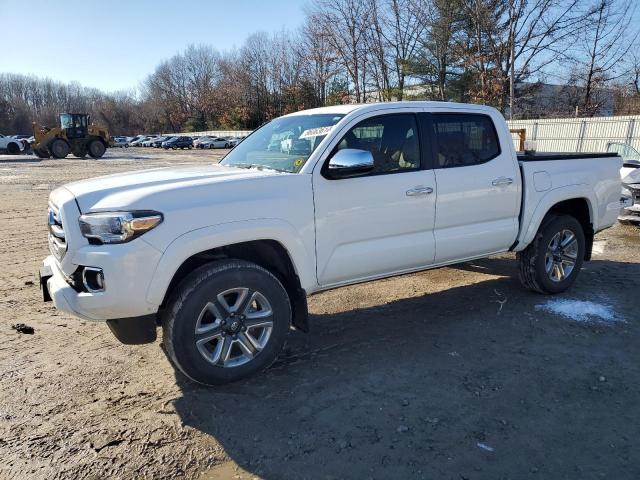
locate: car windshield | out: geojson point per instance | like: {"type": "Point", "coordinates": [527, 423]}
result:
{"type": "Point", "coordinates": [284, 144]}
{"type": "Point", "coordinates": [627, 152]}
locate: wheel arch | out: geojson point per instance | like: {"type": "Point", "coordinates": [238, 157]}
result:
{"type": "Point", "coordinates": [268, 253]}
{"type": "Point", "coordinates": [580, 209]}
{"type": "Point", "coordinates": [578, 206]}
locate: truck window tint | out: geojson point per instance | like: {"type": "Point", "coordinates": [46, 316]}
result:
{"type": "Point", "coordinates": [392, 139]}
{"type": "Point", "coordinates": [464, 140]}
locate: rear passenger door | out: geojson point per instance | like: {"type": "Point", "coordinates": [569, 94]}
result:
{"type": "Point", "coordinates": [478, 187]}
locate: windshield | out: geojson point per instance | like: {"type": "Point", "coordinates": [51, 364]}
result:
{"type": "Point", "coordinates": [284, 144]}
{"type": "Point", "coordinates": [627, 152]}
{"type": "Point", "coordinates": [66, 121]}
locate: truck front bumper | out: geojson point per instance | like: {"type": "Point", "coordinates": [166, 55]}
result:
{"type": "Point", "coordinates": [131, 331]}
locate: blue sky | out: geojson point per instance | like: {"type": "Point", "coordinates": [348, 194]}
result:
{"type": "Point", "coordinates": [115, 44]}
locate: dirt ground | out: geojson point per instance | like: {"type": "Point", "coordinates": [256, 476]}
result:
{"type": "Point", "coordinates": [454, 373]}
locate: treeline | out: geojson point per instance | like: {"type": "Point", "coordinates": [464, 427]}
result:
{"type": "Point", "coordinates": [495, 52]}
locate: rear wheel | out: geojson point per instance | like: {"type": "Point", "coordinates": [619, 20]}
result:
{"type": "Point", "coordinates": [59, 148]}
{"type": "Point", "coordinates": [226, 320]}
{"type": "Point", "coordinates": [96, 148]}
{"type": "Point", "coordinates": [551, 263]}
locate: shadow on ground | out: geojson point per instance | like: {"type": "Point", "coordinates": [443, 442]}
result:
{"type": "Point", "coordinates": [471, 382]}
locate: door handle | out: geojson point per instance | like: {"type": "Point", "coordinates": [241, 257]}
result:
{"type": "Point", "coordinates": [502, 181]}
{"type": "Point", "coordinates": [418, 191]}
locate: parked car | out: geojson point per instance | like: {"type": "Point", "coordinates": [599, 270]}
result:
{"type": "Point", "coordinates": [11, 145]}
{"type": "Point", "coordinates": [224, 255]}
{"type": "Point", "coordinates": [121, 142]}
{"type": "Point", "coordinates": [157, 143]}
{"type": "Point", "coordinates": [630, 176]}
{"type": "Point", "coordinates": [178, 142]}
{"type": "Point", "coordinates": [216, 142]}
{"type": "Point", "coordinates": [138, 142]}
{"type": "Point", "coordinates": [199, 140]}
{"type": "Point", "coordinates": [149, 141]}
{"type": "Point", "coordinates": [26, 141]}
{"type": "Point", "coordinates": [233, 141]}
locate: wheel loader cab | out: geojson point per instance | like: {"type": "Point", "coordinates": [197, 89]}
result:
{"type": "Point", "coordinates": [75, 125]}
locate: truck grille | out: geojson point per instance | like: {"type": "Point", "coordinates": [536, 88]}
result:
{"type": "Point", "coordinates": [57, 238]}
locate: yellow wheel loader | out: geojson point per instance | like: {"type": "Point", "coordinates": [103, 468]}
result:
{"type": "Point", "coordinates": [76, 135]}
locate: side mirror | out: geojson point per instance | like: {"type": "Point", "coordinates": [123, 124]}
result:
{"type": "Point", "coordinates": [350, 162]}
{"type": "Point", "coordinates": [631, 164]}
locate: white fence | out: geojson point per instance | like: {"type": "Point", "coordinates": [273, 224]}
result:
{"type": "Point", "coordinates": [580, 134]}
{"type": "Point", "coordinates": [215, 133]}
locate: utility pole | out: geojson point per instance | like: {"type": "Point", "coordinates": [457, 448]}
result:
{"type": "Point", "coordinates": [512, 69]}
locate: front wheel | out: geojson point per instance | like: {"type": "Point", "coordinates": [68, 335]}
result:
{"type": "Point", "coordinates": [96, 149]}
{"type": "Point", "coordinates": [551, 263]}
{"type": "Point", "coordinates": [59, 148]}
{"type": "Point", "coordinates": [227, 320]}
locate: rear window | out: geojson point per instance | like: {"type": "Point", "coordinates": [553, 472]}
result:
{"type": "Point", "coordinates": [464, 139]}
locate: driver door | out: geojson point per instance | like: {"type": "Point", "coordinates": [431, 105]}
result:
{"type": "Point", "coordinates": [381, 222]}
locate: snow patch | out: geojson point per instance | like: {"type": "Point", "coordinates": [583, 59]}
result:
{"type": "Point", "coordinates": [484, 446]}
{"type": "Point", "coordinates": [581, 311]}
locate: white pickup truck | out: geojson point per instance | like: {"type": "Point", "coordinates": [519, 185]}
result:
{"type": "Point", "coordinates": [223, 256]}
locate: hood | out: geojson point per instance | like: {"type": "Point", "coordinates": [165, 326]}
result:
{"type": "Point", "coordinates": [125, 190]}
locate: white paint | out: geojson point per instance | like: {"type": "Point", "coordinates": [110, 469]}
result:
{"type": "Point", "coordinates": [581, 311]}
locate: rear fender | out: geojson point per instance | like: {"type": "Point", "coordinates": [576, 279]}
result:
{"type": "Point", "coordinates": [529, 229]}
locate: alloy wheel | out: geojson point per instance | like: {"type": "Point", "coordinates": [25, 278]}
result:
{"type": "Point", "coordinates": [234, 328]}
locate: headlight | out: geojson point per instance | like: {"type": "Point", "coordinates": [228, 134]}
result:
{"type": "Point", "coordinates": [118, 227]}
{"type": "Point", "coordinates": [626, 192]}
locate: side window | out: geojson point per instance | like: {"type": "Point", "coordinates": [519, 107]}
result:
{"type": "Point", "coordinates": [464, 139]}
{"type": "Point", "coordinates": [392, 140]}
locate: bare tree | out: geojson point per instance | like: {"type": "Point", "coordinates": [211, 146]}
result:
{"type": "Point", "coordinates": [345, 24]}
{"type": "Point", "coordinates": [605, 46]}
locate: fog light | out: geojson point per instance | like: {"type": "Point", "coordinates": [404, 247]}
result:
{"type": "Point", "coordinates": [93, 279]}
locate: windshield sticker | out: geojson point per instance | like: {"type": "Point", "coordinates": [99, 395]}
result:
{"type": "Point", "coordinates": [298, 162]}
{"type": "Point", "coordinates": [316, 132]}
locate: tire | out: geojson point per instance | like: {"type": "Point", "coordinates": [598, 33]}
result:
{"type": "Point", "coordinates": [545, 265]}
{"type": "Point", "coordinates": [13, 148]}
{"type": "Point", "coordinates": [59, 148]}
{"type": "Point", "coordinates": [96, 148]}
{"type": "Point", "coordinates": [174, 147]}
{"type": "Point", "coordinates": [196, 304]}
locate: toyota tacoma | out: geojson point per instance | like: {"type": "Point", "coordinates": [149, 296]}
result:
{"type": "Point", "coordinates": [222, 257]}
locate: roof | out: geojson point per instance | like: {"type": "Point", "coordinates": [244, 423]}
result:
{"type": "Point", "coordinates": [365, 107]}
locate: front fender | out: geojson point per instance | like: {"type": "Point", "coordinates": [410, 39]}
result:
{"type": "Point", "coordinates": [210, 237]}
